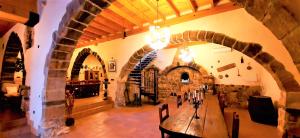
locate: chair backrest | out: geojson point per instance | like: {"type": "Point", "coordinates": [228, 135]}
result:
{"type": "Point", "coordinates": [162, 108]}
{"type": "Point", "coordinates": [235, 125]}
{"type": "Point", "coordinates": [179, 101]}
{"type": "Point", "coordinates": [221, 98]}
{"type": "Point", "coordinates": [185, 96]}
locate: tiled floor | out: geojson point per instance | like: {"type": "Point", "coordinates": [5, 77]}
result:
{"type": "Point", "coordinates": [143, 122]}
{"type": "Point", "coordinates": [89, 100]}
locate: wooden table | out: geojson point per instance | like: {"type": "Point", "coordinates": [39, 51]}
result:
{"type": "Point", "coordinates": [211, 123]}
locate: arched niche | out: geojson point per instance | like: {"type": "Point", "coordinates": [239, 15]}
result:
{"type": "Point", "coordinates": [80, 59]}
{"type": "Point", "coordinates": [11, 62]}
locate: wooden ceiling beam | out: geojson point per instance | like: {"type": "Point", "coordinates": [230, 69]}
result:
{"type": "Point", "coordinates": [193, 4]}
{"type": "Point", "coordinates": [92, 35]}
{"type": "Point", "coordinates": [184, 18]}
{"type": "Point", "coordinates": [133, 9]}
{"type": "Point", "coordinates": [100, 26]}
{"type": "Point", "coordinates": [126, 16]}
{"type": "Point", "coordinates": [110, 24]}
{"type": "Point", "coordinates": [153, 9]}
{"type": "Point", "coordinates": [86, 38]}
{"type": "Point", "coordinates": [107, 13]}
{"type": "Point", "coordinates": [19, 11]}
{"type": "Point", "coordinates": [173, 7]}
{"type": "Point", "coordinates": [95, 30]}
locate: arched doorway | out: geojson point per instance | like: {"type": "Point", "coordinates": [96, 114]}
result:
{"type": "Point", "coordinates": [13, 75]}
{"type": "Point", "coordinates": [13, 60]}
{"type": "Point", "coordinates": [78, 63]}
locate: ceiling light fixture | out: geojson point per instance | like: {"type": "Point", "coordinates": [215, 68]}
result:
{"type": "Point", "coordinates": [158, 37]}
{"type": "Point", "coordinates": [186, 55]}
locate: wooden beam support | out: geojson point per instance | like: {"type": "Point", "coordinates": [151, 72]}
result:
{"type": "Point", "coordinates": [193, 5]}
{"type": "Point", "coordinates": [110, 24]}
{"type": "Point", "coordinates": [19, 11]}
{"type": "Point", "coordinates": [125, 15]}
{"type": "Point", "coordinates": [95, 30]}
{"type": "Point", "coordinates": [133, 9]}
{"type": "Point", "coordinates": [107, 13]}
{"type": "Point", "coordinates": [184, 18]}
{"type": "Point", "coordinates": [153, 9]}
{"type": "Point", "coordinates": [86, 38]}
{"type": "Point", "coordinates": [91, 35]}
{"type": "Point", "coordinates": [173, 7]}
{"type": "Point", "coordinates": [212, 3]}
{"type": "Point", "coordinates": [100, 26]}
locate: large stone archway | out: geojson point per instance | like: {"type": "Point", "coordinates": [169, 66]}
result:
{"type": "Point", "coordinates": [13, 47]}
{"type": "Point", "coordinates": [278, 19]}
{"type": "Point", "coordinates": [82, 55]}
{"type": "Point", "coordinates": [284, 78]}
{"type": "Point", "coordinates": [281, 19]}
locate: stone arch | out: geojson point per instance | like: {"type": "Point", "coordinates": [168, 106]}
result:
{"type": "Point", "coordinates": [279, 17]}
{"type": "Point", "coordinates": [13, 47]}
{"type": "Point", "coordinates": [284, 78]}
{"type": "Point", "coordinates": [78, 14]}
{"type": "Point", "coordinates": [191, 65]}
{"type": "Point", "coordinates": [82, 55]}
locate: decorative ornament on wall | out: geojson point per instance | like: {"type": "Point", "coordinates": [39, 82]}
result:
{"type": "Point", "coordinates": [226, 75]}
{"type": "Point", "coordinates": [220, 76]}
{"type": "Point", "coordinates": [112, 65]}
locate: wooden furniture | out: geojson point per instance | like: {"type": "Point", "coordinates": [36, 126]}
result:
{"type": "Point", "coordinates": [149, 86]}
{"type": "Point", "coordinates": [162, 108]}
{"type": "Point", "coordinates": [179, 101]}
{"type": "Point", "coordinates": [82, 89]}
{"type": "Point", "coordinates": [211, 123]}
{"type": "Point", "coordinates": [261, 110]}
{"type": "Point", "coordinates": [221, 98]}
{"type": "Point", "coordinates": [209, 82]}
{"type": "Point", "coordinates": [235, 125]}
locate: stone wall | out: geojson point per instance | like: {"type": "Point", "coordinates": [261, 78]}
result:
{"type": "Point", "coordinates": [237, 95]}
{"type": "Point", "coordinates": [171, 82]}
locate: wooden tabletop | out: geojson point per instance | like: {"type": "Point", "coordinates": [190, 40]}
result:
{"type": "Point", "coordinates": [210, 124]}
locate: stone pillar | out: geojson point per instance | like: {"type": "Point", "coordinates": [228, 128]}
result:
{"type": "Point", "coordinates": [120, 98]}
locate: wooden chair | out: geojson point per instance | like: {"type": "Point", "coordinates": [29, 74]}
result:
{"type": "Point", "coordinates": [185, 97]}
{"type": "Point", "coordinates": [235, 125]}
{"type": "Point", "coordinates": [221, 98]}
{"type": "Point", "coordinates": [162, 108]}
{"type": "Point", "coordinates": [179, 101]}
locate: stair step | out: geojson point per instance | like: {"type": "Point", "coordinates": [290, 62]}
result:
{"type": "Point", "coordinates": [89, 106]}
{"type": "Point", "coordinates": [92, 111]}
{"type": "Point", "coordinates": [9, 125]}
{"type": "Point", "coordinates": [20, 132]}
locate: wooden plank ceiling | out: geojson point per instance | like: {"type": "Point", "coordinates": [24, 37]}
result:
{"type": "Point", "coordinates": [129, 17]}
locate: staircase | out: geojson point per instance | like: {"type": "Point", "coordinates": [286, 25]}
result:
{"type": "Point", "coordinates": [135, 76]}
{"type": "Point", "coordinates": [92, 108]}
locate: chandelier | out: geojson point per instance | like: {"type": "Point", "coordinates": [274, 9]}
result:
{"type": "Point", "coordinates": [158, 37]}
{"type": "Point", "coordinates": [186, 55]}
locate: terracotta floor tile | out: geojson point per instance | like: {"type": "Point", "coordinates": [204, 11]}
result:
{"type": "Point", "coordinates": [142, 122]}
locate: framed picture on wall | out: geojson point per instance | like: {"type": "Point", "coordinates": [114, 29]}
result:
{"type": "Point", "coordinates": [112, 67]}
